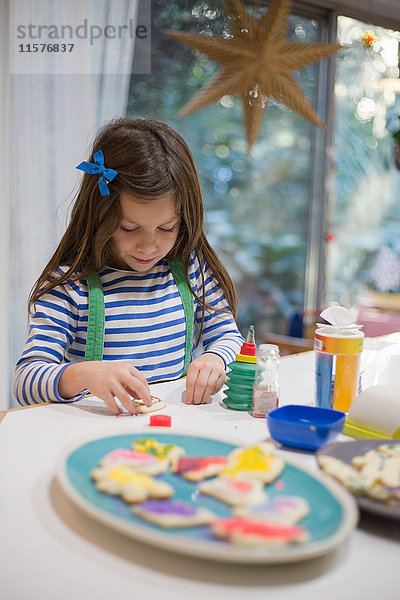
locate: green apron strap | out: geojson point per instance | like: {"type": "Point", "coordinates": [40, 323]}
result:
{"type": "Point", "coordinates": [96, 319]}
{"type": "Point", "coordinates": [96, 313]}
{"type": "Point", "coordinates": [178, 271]}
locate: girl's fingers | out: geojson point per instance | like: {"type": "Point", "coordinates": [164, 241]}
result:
{"type": "Point", "coordinates": [190, 381]}
{"type": "Point", "coordinates": [125, 399]}
{"type": "Point", "coordinates": [203, 388]}
{"type": "Point", "coordinates": [138, 389]}
{"type": "Point", "coordinates": [211, 386]}
{"type": "Point", "coordinates": [205, 377]}
{"type": "Point", "coordinates": [201, 384]}
{"type": "Point", "coordinates": [112, 405]}
{"type": "Point", "coordinates": [136, 396]}
{"type": "Point", "coordinates": [219, 383]}
{"type": "Point", "coordinates": [147, 402]}
{"type": "Point", "coordinates": [138, 375]}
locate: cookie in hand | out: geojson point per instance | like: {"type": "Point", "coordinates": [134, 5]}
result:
{"type": "Point", "coordinates": [156, 404]}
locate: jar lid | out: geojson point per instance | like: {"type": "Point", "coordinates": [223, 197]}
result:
{"type": "Point", "coordinates": [265, 349]}
{"type": "Point", "coordinates": [246, 358]}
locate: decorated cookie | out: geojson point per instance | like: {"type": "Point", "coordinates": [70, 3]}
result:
{"type": "Point", "coordinates": [156, 404]}
{"type": "Point", "coordinates": [169, 452]}
{"type": "Point", "coordinates": [170, 513]}
{"type": "Point", "coordinates": [379, 467]}
{"type": "Point", "coordinates": [390, 450]}
{"type": "Point", "coordinates": [130, 484]}
{"type": "Point", "coordinates": [249, 531]}
{"type": "Point", "coordinates": [140, 461]}
{"type": "Point", "coordinates": [283, 510]}
{"type": "Point", "coordinates": [350, 477]}
{"type": "Point", "coordinates": [195, 468]}
{"type": "Point", "coordinates": [234, 491]}
{"type": "Point", "coordinates": [257, 462]}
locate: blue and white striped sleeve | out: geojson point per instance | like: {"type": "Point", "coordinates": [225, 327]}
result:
{"type": "Point", "coordinates": [220, 334]}
{"type": "Point", "coordinates": [52, 329]}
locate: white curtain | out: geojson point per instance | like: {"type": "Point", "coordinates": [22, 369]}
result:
{"type": "Point", "coordinates": [5, 204]}
{"type": "Point", "coordinates": [52, 120]}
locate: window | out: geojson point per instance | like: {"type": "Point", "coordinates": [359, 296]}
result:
{"type": "Point", "coordinates": [364, 247]}
{"type": "Point", "coordinates": [257, 206]}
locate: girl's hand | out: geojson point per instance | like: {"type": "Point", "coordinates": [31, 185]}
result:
{"type": "Point", "coordinates": [106, 379]}
{"type": "Point", "coordinates": [205, 377]}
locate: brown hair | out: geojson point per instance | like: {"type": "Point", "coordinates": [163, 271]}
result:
{"type": "Point", "coordinates": [151, 160]}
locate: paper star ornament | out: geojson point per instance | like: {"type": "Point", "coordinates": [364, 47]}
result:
{"type": "Point", "coordinates": [257, 62]}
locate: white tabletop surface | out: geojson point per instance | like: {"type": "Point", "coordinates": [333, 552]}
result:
{"type": "Point", "coordinates": [50, 550]}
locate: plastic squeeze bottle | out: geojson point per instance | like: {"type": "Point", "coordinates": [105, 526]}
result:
{"type": "Point", "coordinates": [337, 348]}
{"type": "Point", "coordinates": [239, 395]}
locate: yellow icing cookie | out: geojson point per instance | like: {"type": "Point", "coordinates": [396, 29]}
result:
{"type": "Point", "coordinates": [257, 462]}
{"type": "Point", "coordinates": [161, 450]}
{"type": "Point", "coordinates": [127, 482]}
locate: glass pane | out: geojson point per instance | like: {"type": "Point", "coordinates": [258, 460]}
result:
{"type": "Point", "coordinates": [364, 242]}
{"type": "Point", "coordinates": [256, 206]}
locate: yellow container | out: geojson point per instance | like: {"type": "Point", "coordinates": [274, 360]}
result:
{"type": "Point", "coordinates": [337, 367]}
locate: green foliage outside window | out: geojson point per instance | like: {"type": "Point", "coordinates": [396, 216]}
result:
{"type": "Point", "coordinates": [365, 208]}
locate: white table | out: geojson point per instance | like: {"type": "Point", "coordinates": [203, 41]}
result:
{"type": "Point", "coordinates": [50, 550]}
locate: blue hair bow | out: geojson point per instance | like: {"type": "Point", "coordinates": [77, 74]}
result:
{"type": "Point", "coordinates": [99, 169]}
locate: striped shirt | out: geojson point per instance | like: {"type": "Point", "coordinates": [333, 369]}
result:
{"type": "Point", "coordinates": [144, 324]}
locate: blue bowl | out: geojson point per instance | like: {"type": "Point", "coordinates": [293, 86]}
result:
{"type": "Point", "coordinates": [308, 427]}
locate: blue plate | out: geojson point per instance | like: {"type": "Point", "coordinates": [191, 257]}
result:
{"type": "Point", "coordinates": [333, 512]}
{"type": "Point", "coordinates": [308, 427]}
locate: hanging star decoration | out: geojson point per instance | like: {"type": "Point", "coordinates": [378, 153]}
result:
{"type": "Point", "coordinates": [257, 62]}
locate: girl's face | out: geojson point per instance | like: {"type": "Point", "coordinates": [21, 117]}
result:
{"type": "Point", "coordinates": [146, 232]}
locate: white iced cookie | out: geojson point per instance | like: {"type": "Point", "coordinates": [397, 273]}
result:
{"type": "Point", "coordinates": [140, 461]}
{"type": "Point", "coordinates": [378, 467]}
{"type": "Point", "coordinates": [128, 483]}
{"type": "Point", "coordinates": [169, 452]}
{"type": "Point", "coordinates": [173, 513]}
{"type": "Point", "coordinates": [234, 491]}
{"type": "Point", "coordinates": [258, 462]}
{"type": "Point", "coordinates": [352, 479]}
{"type": "Point", "coordinates": [156, 404]}
{"type": "Point", "coordinates": [284, 510]}
{"type": "Point", "coordinates": [390, 449]}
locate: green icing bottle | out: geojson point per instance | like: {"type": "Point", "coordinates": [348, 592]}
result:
{"type": "Point", "coordinates": [239, 392]}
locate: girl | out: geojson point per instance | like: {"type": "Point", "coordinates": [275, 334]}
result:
{"type": "Point", "coordinates": [133, 287]}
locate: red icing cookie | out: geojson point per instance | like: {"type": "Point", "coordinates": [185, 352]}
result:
{"type": "Point", "coordinates": [195, 468]}
{"type": "Point", "coordinates": [249, 531]}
